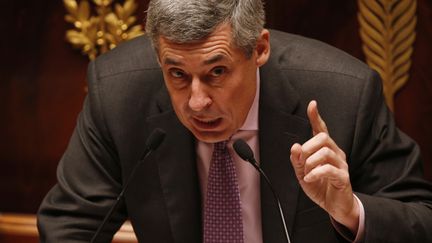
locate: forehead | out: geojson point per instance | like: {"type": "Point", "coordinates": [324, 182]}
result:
{"type": "Point", "coordinates": [218, 45]}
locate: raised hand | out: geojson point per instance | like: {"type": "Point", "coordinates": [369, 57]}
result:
{"type": "Point", "coordinates": [322, 171]}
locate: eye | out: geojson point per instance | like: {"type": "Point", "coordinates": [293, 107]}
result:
{"type": "Point", "coordinates": [176, 73]}
{"type": "Point", "coordinates": [218, 71]}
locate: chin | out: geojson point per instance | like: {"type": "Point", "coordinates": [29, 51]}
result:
{"type": "Point", "coordinates": [211, 137]}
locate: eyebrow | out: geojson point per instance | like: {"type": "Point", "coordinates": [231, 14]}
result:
{"type": "Point", "coordinates": [170, 61]}
{"type": "Point", "coordinates": [211, 60]}
{"type": "Point", "coordinates": [214, 59]}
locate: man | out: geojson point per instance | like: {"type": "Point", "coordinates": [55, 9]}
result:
{"type": "Point", "coordinates": [344, 172]}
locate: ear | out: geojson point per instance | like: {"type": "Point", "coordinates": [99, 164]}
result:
{"type": "Point", "coordinates": [262, 49]}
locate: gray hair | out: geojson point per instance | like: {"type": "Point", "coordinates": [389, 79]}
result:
{"type": "Point", "coordinates": [186, 21]}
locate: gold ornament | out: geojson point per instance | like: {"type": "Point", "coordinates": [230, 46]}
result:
{"type": "Point", "coordinates": [387, 29]}
{"type": "Point", "coordinates": [97, 34]}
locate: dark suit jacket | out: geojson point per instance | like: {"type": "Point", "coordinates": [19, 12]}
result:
{"type": "Point", "coordinates": [127, 99]}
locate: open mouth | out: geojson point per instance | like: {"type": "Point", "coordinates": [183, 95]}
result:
{"type": "Point", "coordinates": [207, 124]}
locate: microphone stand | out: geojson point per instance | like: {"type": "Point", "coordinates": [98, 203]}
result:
{"type": "Point", "coordinates": [152, 143]}
{"type": "Point", "coordinates": [246, 153]}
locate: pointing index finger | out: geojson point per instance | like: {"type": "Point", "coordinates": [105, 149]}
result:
{"type": "Point", "coordinates": [317, 123]}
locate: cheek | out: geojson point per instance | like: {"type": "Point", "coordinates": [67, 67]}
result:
{"type": "Point", "coordinates": [248, 92]}
{"type": "Point", "coordinates": [240, 99]}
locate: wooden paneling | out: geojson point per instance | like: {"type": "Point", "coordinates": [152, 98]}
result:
{"type": "Point", "coordinates": [413, 104]}
{"type": "Point", "coordinates": [42, 88]}
{"type": "Point", "coordinates": [16, 228]}
{"type": "Point", "coordinates": [42, 82]}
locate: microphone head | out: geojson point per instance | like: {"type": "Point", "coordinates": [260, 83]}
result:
{"type": "Point", "coordinates": [243, 150]}
{"type": "Point", "coordinates": [155, 139]}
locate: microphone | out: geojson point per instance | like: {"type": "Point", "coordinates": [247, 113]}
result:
{"type": "Point", "coordinates": [152, 143]}
{"type": "Point", "coordinates": [246, 153]}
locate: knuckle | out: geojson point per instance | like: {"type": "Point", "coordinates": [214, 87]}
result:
{"type": "Point", "coordinates": [345, 177]}
{"type": "Point", "coordinates": [327, 168]}
{"type": "Point", "coordinates": [344, 166]}
{"type": "Point", "coordinates": [324, 137]}
{"type": "Point", "coordinates": [342, 154]}
{"type": "Point", "coordinates": [327, 152]}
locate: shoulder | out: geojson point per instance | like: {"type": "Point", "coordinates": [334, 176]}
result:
{"type": "Point", "coordinates": [127, 80]}
{"type": "Point", "coordinates": [314, 68]}
{"type": "Point", "coordinates": [131, 56]}
{"type": "Point", "coordinates": [129, 69]}
{"type": "Point", "coordinates": [302, 54]}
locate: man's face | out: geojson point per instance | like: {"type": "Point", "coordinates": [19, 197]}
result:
{"type": "Point", "coordinates": [212, 83]}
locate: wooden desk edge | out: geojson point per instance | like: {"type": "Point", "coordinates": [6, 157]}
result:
{"type": "Point", "coordinates": [25, 225]}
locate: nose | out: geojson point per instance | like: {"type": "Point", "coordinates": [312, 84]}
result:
{"type": "Point", "coordinates": [199, 98]}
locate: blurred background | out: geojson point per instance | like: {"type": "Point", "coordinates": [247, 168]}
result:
{"type": "Point", "coordinates": [43, 79]}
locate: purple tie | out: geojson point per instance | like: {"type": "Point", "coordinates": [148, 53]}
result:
{"type": "Point", "coordinates": [222, 210]}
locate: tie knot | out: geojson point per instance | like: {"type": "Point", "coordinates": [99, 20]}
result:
{"type": "Point", "coordinates": [222, 145]}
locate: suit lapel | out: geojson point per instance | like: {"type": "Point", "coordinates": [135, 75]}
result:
{"type": "Point", "coordinates": [178, 174]}
{"type": "Point", "coordinates": [279, 129]}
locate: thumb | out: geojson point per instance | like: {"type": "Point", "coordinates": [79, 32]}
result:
{"type": "Point", "coordinates": [297, 162]}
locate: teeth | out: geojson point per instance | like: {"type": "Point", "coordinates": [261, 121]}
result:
{"type": "Point", "coordinates": [208, 122]}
